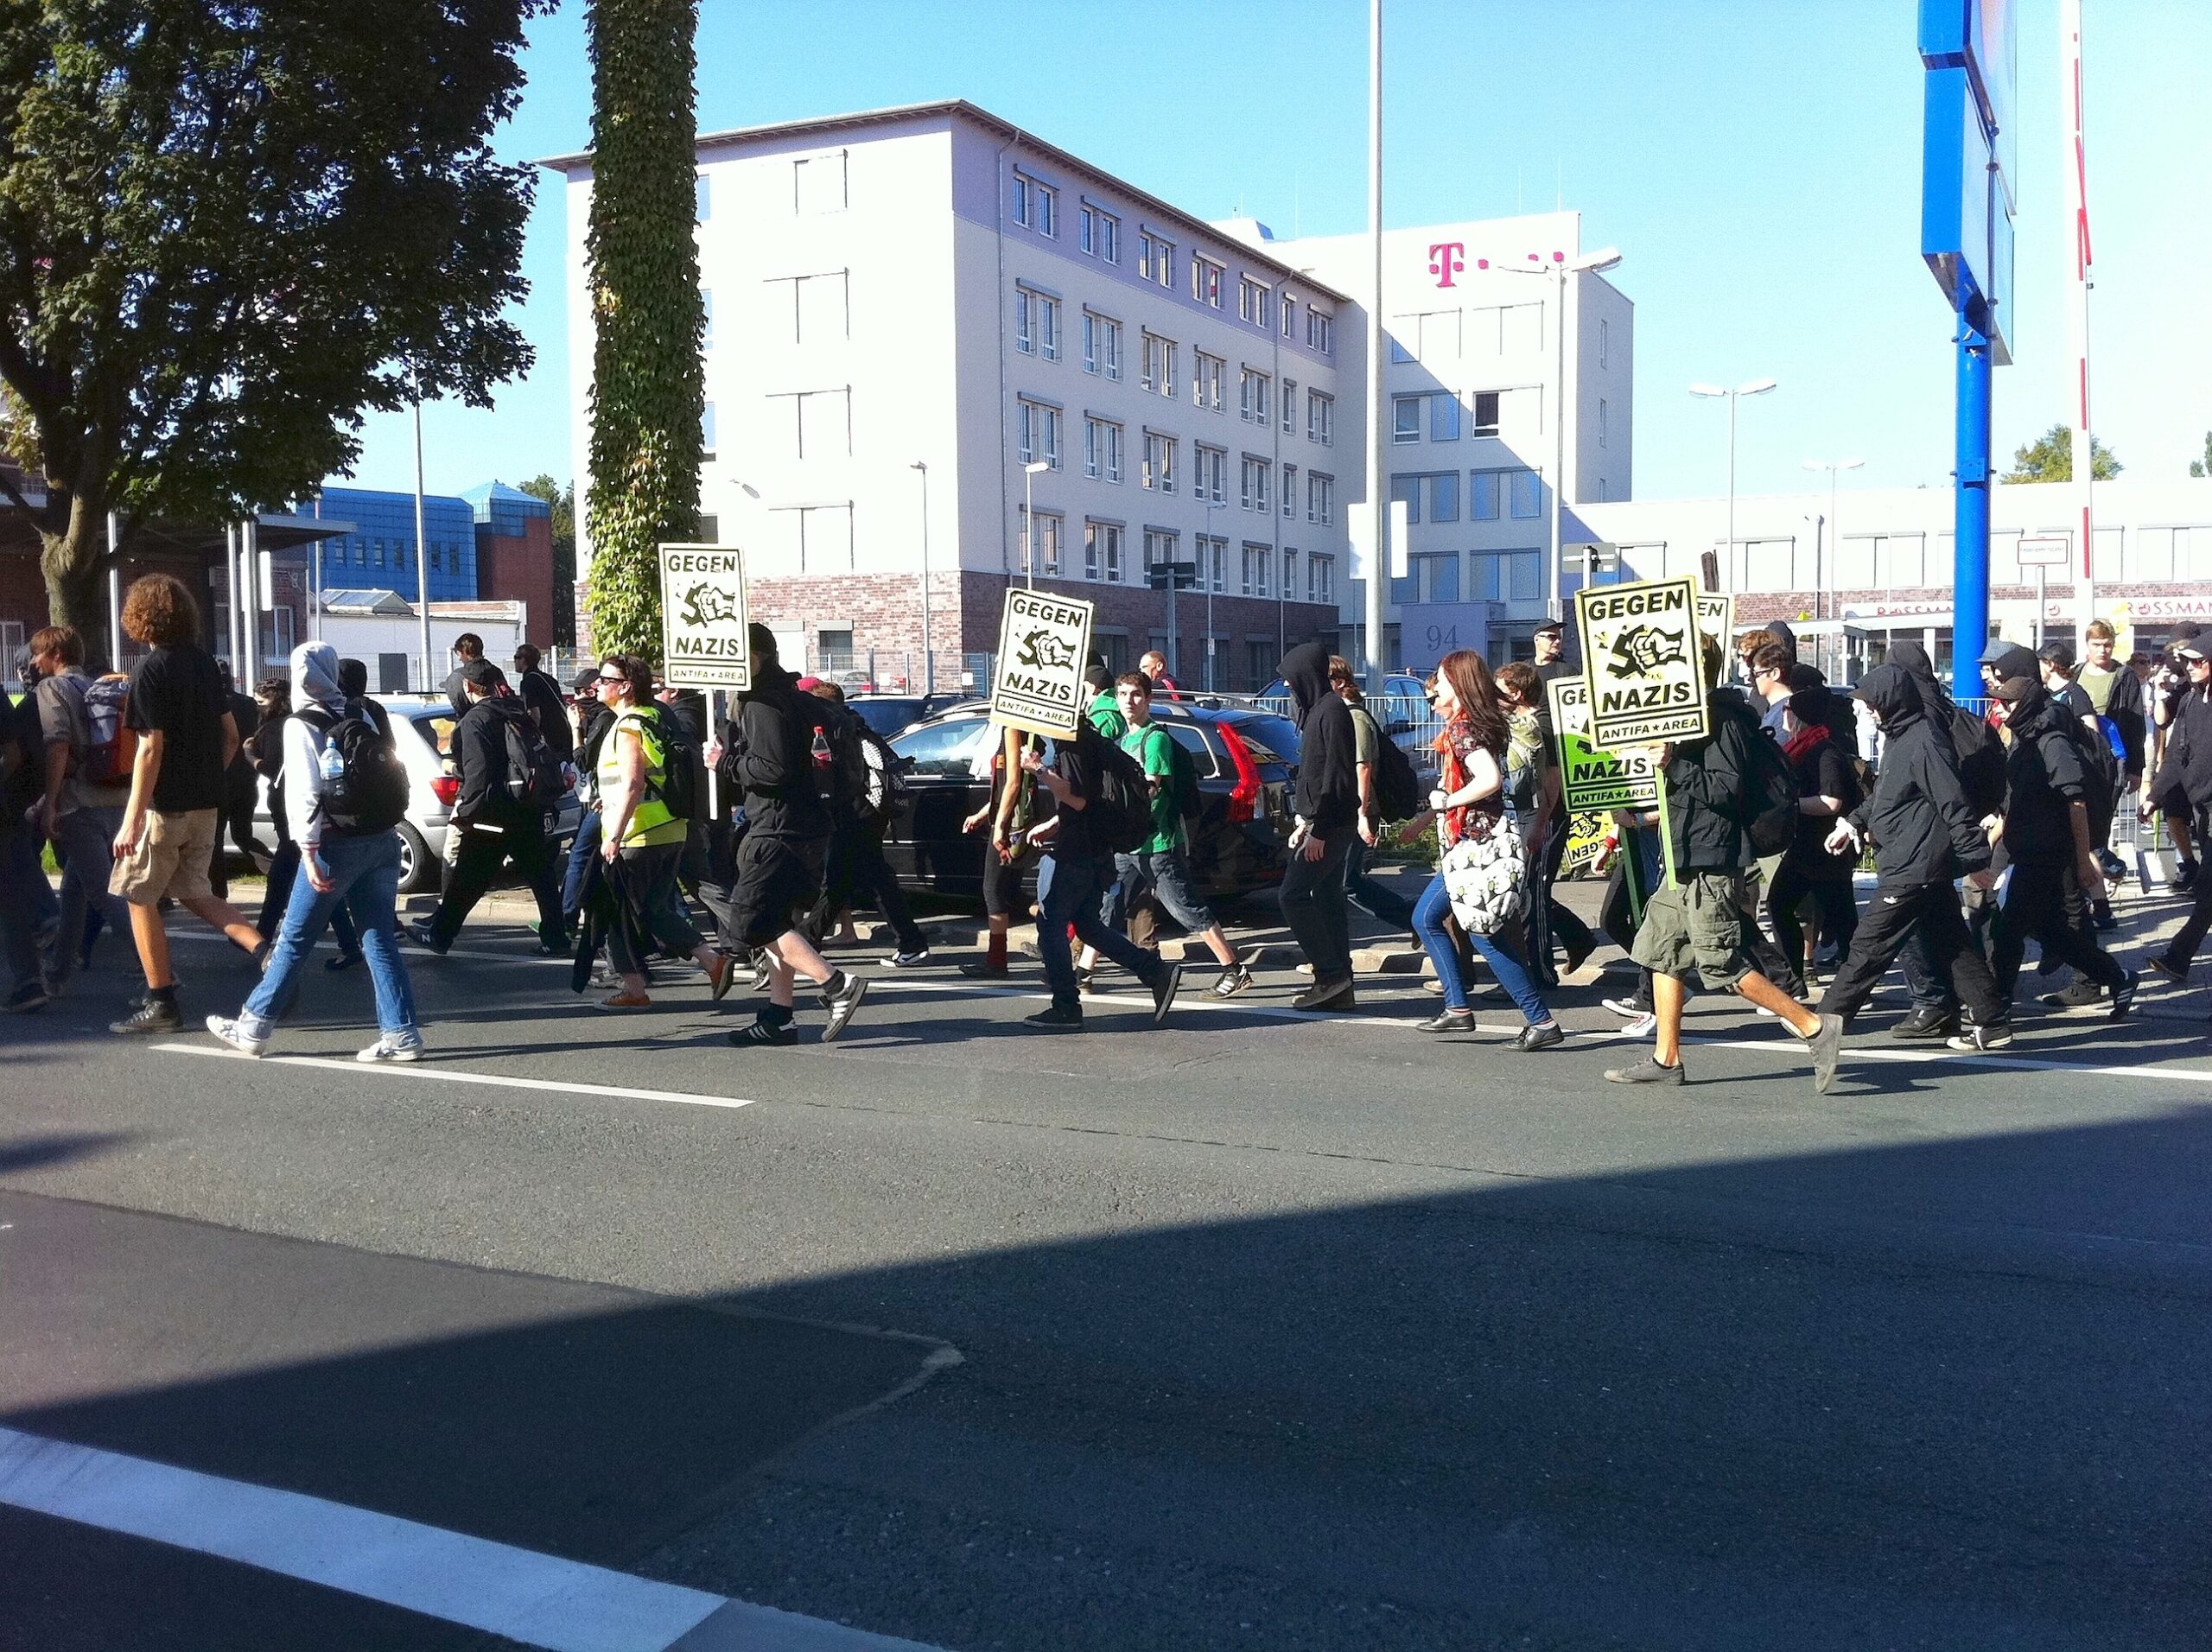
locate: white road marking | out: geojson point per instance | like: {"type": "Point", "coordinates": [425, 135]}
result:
{"type": "Point", "coordinates": [540, 1599]}
{"type": "Point", "coordinates": [457, 1076]}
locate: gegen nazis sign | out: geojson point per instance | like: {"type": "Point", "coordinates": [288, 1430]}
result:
{"type": "Point", "coordinates": [1591, 779]}
{"type": "Point", "coordinates": [1642, 658]}
{"type": "Point", "coordinates": [703, 631]}
{"type": "Point", "coordinates": [1043, 646]}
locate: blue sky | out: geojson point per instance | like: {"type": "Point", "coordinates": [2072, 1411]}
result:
{"type": "Point", "coordinates": [1759, 163]}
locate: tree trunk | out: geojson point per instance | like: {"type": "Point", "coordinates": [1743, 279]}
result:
{"type": "Point", "coordinates": [70, 560]}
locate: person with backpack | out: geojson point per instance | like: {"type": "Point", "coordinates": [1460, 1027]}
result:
{"type": "Point", "coordinates": [1007, 815]}
{"type": "Point", "coordinates": [344, 791]}
{"type": "Point", "coordinates": [1925, 833]}
{"type": "Point", "coordinates": [868, 792]}
{"type": "Point", "coordinates": [1827, 788]}
{"type": "Point", "coordinates": [641, 836]}
{"type": "Point", "coordinates": [1325, 804]}
{"type": "Point", "coordinates": [508, 780]}
{"type": "Point", "coordinates": [1720, 798]}
{"type": "Point", "coordinates": [30, 914]}
{"type": "Point", "coordinates": [2187, 771]}
{"type": "Point", "coordinates": [1159, 868]}
{"type": "Point", "coordinates": [541, 692]}
{"type": "Point", "coordinates": [776, 750]}
{"type": "Point", "coordinates": [1102, 808]}
{"type": "Point", "coordinates": [1469, 802]}
{"type": "Point", "coordinates": [87, 783]}
{"type": "Point", "coordinates": [1379, 900]}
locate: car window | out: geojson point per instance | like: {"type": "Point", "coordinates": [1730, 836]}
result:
{"type": "Point", "coordinates": [1193, 738]}
{"type": "Point", "coordinates": [438, 731]}
{"type": "Point", "coordinates": [887, 717]}
{"type": "Point", "coordinates": [1406, 707]}
{"type": "Point", "coordinates": [1270, 739]}
{"type": "Point", "coordinates": [946, 750]}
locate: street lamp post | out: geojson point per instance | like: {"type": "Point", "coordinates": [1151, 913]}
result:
{"type": "Point", "coordinates": [1029, 473]}
{"type": "Point", "coordinates": [422, 555]}
{"type": "Point", "coordinates": [1755, 387]}
{"type": "Point", "coordinates": [928, 660]}
{"type": "Point", "coordinates": [1835, 535]}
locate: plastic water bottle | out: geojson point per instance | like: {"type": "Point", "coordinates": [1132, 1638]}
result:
{"type": "Point", "coordinates": [333, 766]}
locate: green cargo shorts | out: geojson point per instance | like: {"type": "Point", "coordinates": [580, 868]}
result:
{"type": "Point", "coordinates": [1700, 924]}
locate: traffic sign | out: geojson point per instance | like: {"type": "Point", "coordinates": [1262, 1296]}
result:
{"type": "Point", "coordinates": [2045, 551]}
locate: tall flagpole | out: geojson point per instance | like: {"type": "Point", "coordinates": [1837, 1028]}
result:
{"type": "Point", "coordinates": [1377, 561]}
{"type": "Point", "coordinates": [2077, 304]}
{"type": "Point", "coordinates": [421, 556]}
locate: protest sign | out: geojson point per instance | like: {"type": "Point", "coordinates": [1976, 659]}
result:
{"type": "Point", "coordinates": [1044, 645]}
{"type": "Point", "coordinates": [1716, 618]}
{"type": "Point", "coordinates": [703, 631]}
{"type": "Point", "coordinates": [1640, 658]}
{"type": "Point", "coordinates": [1591, 779]}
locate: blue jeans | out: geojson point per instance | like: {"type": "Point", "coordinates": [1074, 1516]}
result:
{"type": "Point", "coordinates": [1068, 892]}
{"type": "Point", "coordinates": [86, 836]}
{"type": "Point", "coordinates": [1379, 900]}
{"type": "Point", "coordinates": [364, 877]}
{"type": "Point", "coordinates": [581, 849]}
{"type": "Point", "coordinates": [1429, 913]}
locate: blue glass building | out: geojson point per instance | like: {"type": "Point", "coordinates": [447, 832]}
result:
{"type": "Point", "coordinates": [378, 554]}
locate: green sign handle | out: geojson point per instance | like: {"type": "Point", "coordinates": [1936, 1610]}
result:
{"type": "Point", "coordinates": [1632, 873]}
{"type": "Point", "coordinates": [1666, 831]}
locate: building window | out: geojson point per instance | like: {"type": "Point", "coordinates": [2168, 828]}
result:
{"type": "Point", "coordinates": [1489, 495]}
{"type": "Point", "coordinates": [1259, 562]}
{"type": "Point", "coordinates": [1101, 346]}
{"type": "Point", "coordinates": [1435, 577]}
{"type": "Point", "coordinates": [702, 198]}
{"type": "Point", "coordinates": [1205, 279]}
{"type": "Point", "coordinates": [706, 430]}
{"type": "Point", "coordinates": [1320, 331]}
{"type": "Point", "coordinates": [1289, 316]}
{"type": "Point", "coordinates": [1156, 260]}
{"type": "Point", "coordinates": [1507, 576]}
{"type": "Point", "coordinates": [821, 423]}
{"type": "Point", "coordinates": [1213, 564]}
{"type": "Point", "coordinates": [1601, 422]}
{"type": "Point", "coordinates": [1290, 407]}
{"type": "Point", "coordinates": [1290, 573]}
{"type": "Point", "coordinates": [1320, 418]}
{"type": "Point", "coordinates": [1025, 320]}
{"type": "Point", "coordinates": [1159, 462]}
{"type": "Point", "coordinates": [1101, 449]}
{"type": "Point", "coordinates": [1252, 300]}
{"type": "Point", "coordinates": [1252, 484]}
{"type": "Point", "coordinates": [1290, 490]}
{"type": "Point", "coordinates": [1444, 416]}
{"type": "Point", "coordinates": [824, 537]}
{"type": "Point", "coordinates": [1039, 427]}
{"type": "Point", "coordinates": [1101, 234]}
{"type": "Point", "coordinates": [819, 184]}
{"type": "Point", "coordinates": [1209, 375]}
{"type": "Point", "coordinates": [1321, 578]}
{"type": "Point", "coordinates": [1321, 497]}
{"type": "Point", "coordinates": [1405, 418]}
{"type": "Point", "coordinates": [707, 319]}
{"type": "Point", "coordinates": [1486, 406]}
{"type": "Point", "coordinates": [1213, 475]}
{"type": "Point", "coordinates": [1159, 547]}
{"type": "Point", "coordinates": [1102, 552]}
{"type": "Point", "coordinates": [1036, 205]}
{"type": "Point", "coordinates": [1604, 333]}
{"type": "Point", "coordinates": [1050, 528]}
{"type": "Point", "coordinates": [1527, 497]}
{"type": "Point", "coordinates": [1252, 390]}
{"type": "Point", "coordinates": [1158, 365]}
{"type": "Point", "coordinates": [1036, 323]}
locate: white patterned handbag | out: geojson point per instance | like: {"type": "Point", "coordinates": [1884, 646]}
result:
{"type": "Point", "coordinates": [1486, 875]}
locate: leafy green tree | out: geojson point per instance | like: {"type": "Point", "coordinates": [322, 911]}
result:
{"type": "Point", "coordinates": [2049, 458]}
{"type": "Point", "coordinates": [648, 390]}
{"type": "Point", "coordinates": [563, 501]}
{"type": "Point", "coordinates": [2203, 466]}
{"type": "Point", "coordinates": [227, 231]}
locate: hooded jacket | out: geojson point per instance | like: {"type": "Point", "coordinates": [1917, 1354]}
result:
{"type": "Point", "coordinates": [768, 755]}
{"type": "Point", "coordinates": [1917, 666]}
{"type": "Point", "coordinates": [298, 779]}
{"type": "Point", "coordinates": [1923, 829]}
{"type": "Point", "coordinates": [2188, 749]}
{"type": "Point", "coordinates": [1327, 793]}
{"type": "Point", "coordinates": [1705, 782]}
{"type": "Point", "coordinates": [2044, 776]}
{"type": "Point", "coordinates": [479, 756]}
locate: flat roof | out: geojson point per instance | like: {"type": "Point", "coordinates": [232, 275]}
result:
{"type": "Point", "coordinates": [960, 108]}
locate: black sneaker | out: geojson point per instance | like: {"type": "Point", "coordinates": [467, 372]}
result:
{"type": "Point", "coordinates": [28, 996]}
{"type": "Point", "coordinates": [1995, 1035]}
{"type": "Point", "coordinates": [760, 1034]}
{"type": "Point", "coordinates": [261, 955]}
{"type": "Point", "coordinates": [2123, 996]}
{"type": "Point", "coordinates": [1549, 1036]}
{"type": "Point", "coordinates": [984, 969]}
{"type": "Point", "coordinates": [155, 1015]}
{"type": "Point", "coordinates": [905, 960]}
{"type": "Point", "coordinates": [842, 1003]}
{"type": "Point", "coordinates": [1647, 1072]}
{"type": "Point", "coordinates": [1086, 981]}
{"type": "Point", "coordinates": [1237, 978]}
{"type": "Point", "coordinates": [1163, 991]}
{"type": "Point", "coordinates": [2166, 969]}
{"type": "Point", "coordinates": [2185, 877]}
{"type": "Point", "coordinates": [2079, 994]}
{"type": "Point", "coordinates": [422, 932]}
{"type": "Point", "coordinates": [1925, 1026]}
{"type": "Point", "coordinates": [342, 962]}
{"type": "Point", "coordinates": [1058, 1018]}
{"type": "Point", "coordinates": [1326, 994]}
{"type": "Point", "coordinates": [1633, 1008]}
{"type": "Point", "coordinates": [2101, 919]}
{"type": "Point", "coordinates": [1448, 1020]}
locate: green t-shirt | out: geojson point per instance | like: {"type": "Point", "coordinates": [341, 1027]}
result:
{"type": "Point", "coordinates": [1150, 746]}
{"type": "Point", "coordinates": [1106, 717]}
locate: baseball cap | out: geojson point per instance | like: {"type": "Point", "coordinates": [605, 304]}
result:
{"type": "Point", "coordinates": [587, 680]}
{"type": "Point", "coordinates": [2008, 660]}
{"type": "Point", "coordinates": [2186, 649]}
{"type": "Point", "coordinates": [483, 674]}
{"type": "Point", "coordinates": [2014, 690]}
{"type": "Point", "coordinates": [1548, 625]}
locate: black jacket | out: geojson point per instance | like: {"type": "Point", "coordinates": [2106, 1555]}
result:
{"type": "Point", "coordinates": [1923, 829]}
{"type": "Point", "coordinates": [456, 690]}
{"type": "Point", "coordinates": [768, 755]}
{"type": "Point", "coordinates": [1706, 781]}
{"type": "Point", "coordinates": [542, 695]}
{"type": "Point", "coordinates": [1327, 792]}
{"type": "Point", "coordinates": [2189, 750]}
{"type": "Point", "coordinates": [2044, 776]}
{"type": "Point", "coordinates": [479, 756]}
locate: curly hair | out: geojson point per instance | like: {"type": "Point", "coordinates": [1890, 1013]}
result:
{"type": "Point", "coordinates": [159, 612]}
{"type": "Point", "coordinates": [1518, 678]}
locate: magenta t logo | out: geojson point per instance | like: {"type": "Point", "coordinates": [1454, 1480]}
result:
{"type": "Point", "coordinates": [1445, 261]}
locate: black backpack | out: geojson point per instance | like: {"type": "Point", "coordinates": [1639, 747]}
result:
{"type": "Point", "coordinates": [534, 776]}
{"type": "Point", "coordinates": [369, 794]}
{"type": "Point", "coordinates": [683, 765]}
{"type": "Point", "coordinates": [1183, 779]}
{"type": "Point", "coordinates": [1769, 796]}
{"type": "Point", "coordinates": [1397, 792]}
{"type": "Point", "coordinates": [1119, 816]}
{"type": "Point", "coordinates": [1981, 762]}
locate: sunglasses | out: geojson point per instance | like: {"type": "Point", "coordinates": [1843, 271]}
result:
{"type": "Point", "coordinates": [613, 676]}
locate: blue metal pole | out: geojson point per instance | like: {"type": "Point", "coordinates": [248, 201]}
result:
{"type": "Point", "coordinates": [1970, 578]}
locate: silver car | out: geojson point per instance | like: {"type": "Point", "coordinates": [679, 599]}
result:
{"type": "Point", "coordinates": [422, 733]}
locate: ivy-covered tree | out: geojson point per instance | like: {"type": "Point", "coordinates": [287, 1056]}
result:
{"type": "Point", "coordinates": [2203, 466]}
{"type": "Point", "coordinates": [2049, 458]}
{"type": "Point", "coordinates": [648, 385]}
{"type": "Point", "coordinates": [227, 230]}
{"type": "Point", "coordinates": [563, 501]}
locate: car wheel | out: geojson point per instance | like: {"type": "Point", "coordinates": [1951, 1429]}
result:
{"type": "Point", "coordinates": [415, 866]}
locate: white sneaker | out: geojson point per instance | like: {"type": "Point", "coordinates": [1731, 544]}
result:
{"type": "Point", "coordinates": [908, 960]}
{"type": "Point", "coordinates": [1626, 1007]}
{"type": "Point", "coordinates": [1641, 1028]}
{"type": "Point", "coordinates": [227, 1030]}
{"type": "Point", "coordinates": [394, 1046]}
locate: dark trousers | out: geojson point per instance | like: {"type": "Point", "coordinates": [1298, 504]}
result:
{"type": "Point", "coordinates": [645, 881]}
{"type": "Point", "coordinates": [485, 848]}
{"type": "Point", "coordinates": [583, 848]}
{"type": "Point", "coordinates": [2043, 903]}
{"type": "Point", "coordinates": [1068, 892]}
{"type": "Point", "coordinates": [1897, 912]}
{"type": "Point", "coordinates": [2182, 947]}
{"type": "Point", "coordinates": [1832, 901]}
{"type": "Point", "coordinates": [857, 873]}
{"type": "Point", "coordinates": [1549, 921]}
{"type": "Point", "coordinates": [1313, 905]}
{"type": "Point", "coordinates": [1372, 896]}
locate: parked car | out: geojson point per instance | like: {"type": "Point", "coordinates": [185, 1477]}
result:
{"type": "Point", "coordinates": [1243, 771]}
{"type": "Point", "coordinates": [422, 733]}
{"type": "Point", "coordinates": [888, 714]}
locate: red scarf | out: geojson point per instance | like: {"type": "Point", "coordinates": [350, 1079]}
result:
{"type": "Point", "coordinates": [1802, 744]}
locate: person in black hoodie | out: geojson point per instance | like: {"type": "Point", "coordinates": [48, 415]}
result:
{"type": "Point", "coordinates": [2049, 835]}
{"type": "Point", "coordinates": [1933, 1015]}
{"type": "Point", "coordinates": [1924, 834]}
{"type": "Point", "coordinates": [496, 829]}
{"type": "Point", "coordinates": [771, 751]}
{"type": "Point", "coordinates": [2187, 774]}
{"type": "Point", "coordinates": [1702, 919]}
{"type": "Point", "coordinates": [1326, 802]}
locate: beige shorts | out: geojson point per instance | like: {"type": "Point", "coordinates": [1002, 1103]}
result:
{"type": "Point", "coordinates": [171, 860]}
{"type": "Point", "coordinates": [1700, 924]}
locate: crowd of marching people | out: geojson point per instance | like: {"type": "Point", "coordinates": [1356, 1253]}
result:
{"type": "Point", "coordinates": [1987, 829]}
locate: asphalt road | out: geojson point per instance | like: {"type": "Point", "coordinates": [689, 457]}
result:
{"type": "Point", "coordinates": [1250, 1332]}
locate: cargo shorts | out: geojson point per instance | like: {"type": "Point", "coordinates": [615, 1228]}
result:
{"type": "Point", "coordinates": [1700, 923]}
{"type": "Point", "coordinates": [171, 860]}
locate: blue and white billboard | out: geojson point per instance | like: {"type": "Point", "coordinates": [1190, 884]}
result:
{"type": "Point", "coordinates": [1968, 158]}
